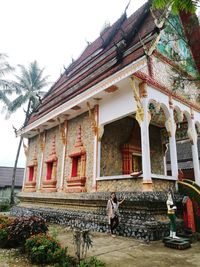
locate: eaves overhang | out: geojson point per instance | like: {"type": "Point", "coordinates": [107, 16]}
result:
{"type": "Point", "coordinates": [62, 112]}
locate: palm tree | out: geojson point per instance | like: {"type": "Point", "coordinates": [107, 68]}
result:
{"type": "Point", "coordinates": [30, 83]}
{"type": "Point", "coordinates": [6, 86]}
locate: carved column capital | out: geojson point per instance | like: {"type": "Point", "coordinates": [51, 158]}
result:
{"type": "Point", "coordinates": [140, 109]}
{"type": "Point", "coordinates": [171, 102]}
{"type": "Point", "coordinates": [63, 132]}
{"type": "Point", "coordinates": [143, 89]}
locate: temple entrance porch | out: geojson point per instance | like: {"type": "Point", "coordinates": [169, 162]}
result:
{"type": "Point", "coordinates": [121, 155]}
{"type": "Point", "coordinates": [160, 125]}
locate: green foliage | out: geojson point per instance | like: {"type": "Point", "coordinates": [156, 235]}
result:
{"type": "Point", "coordinates": [43, 249]}
{"type": "Point", "coordinates": [92, 262]}
{"type": "Point", "coordinates": [3, 237]}
{"type": "Point", "coordinates": [174, 45]}
{"type": "Point", "coordinates": [24, 227]}
{"type": "Point", "coordinates": [5, 85]}
{"type": "Point", "coordinates": [176, 5]}
{"type": "Point", "coordinates": [28, 87]}
{"type": "Point", "coordinates": [4, 207]}
{"type": "Point", "coordinates": [54, 232]}
{"type": "Point", "coordinates": [5, 221]}
{"type": "Point", "coordinates": [14, 232]}
{"type": "Point", "coordinates": [82, 242]}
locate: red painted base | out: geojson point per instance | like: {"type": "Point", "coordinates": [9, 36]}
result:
{"type": "Point", "coordinates": [75, 189]}
{"type": "Point", "coordinates": [30, 186]}
{"type": "Point", "coordinates": [76, 181]}
{"type": "Point", "coordinates": [49, 186]}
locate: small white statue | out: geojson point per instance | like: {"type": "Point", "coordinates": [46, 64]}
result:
{"type": "Point", "coordinates": [171, 208]}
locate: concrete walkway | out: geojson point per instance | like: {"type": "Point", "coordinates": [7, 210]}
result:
{"type": "Point", "coordinates": [129, 252]}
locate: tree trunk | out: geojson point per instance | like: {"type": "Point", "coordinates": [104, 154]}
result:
{"type": "Point", "coordinates": [12, 196]}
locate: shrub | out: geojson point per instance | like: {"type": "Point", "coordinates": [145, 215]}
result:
{"type": "Point", "coordinates": [24, 227]}
{"type": "Point", "coordinates": [82, 242]}
{"type": "Point", "coordinates": [14, 232]}
{"type": "Point", "coordinates": [92, 262]}
{"type": "Point", "coordinates": [3, 237]}
{"type": "Point", "coordinates": [4, 223]}
{"type": "Point", "coordinates": [5, 220]}
{"type": "Point", "coordinates": [45, 249]}
{"type": "Point", "coordinates": [4, 207]}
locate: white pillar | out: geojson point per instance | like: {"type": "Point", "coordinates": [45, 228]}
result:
{"type": "Point", "coordinates": [146, 158]}
{"type": "Point", "coordinates": [40, 172]}
{"type": "Point", "coordinates": [195, 154]}
{"type": "Point", "coordinates": [63, 133]}
{"type": "Point", "coordinates": [172, 144]}
{"type": "Point", "coordinates": [96, 146]}
{"type": "Point", "coordinates": [42, 146]}
{"type": "Point", "coordinates": [95, 162]}
{"type": "Point", "coordinates": [60, 188]}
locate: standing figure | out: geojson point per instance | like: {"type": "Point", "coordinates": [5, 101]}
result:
{"type": "Point", "coordinates": [113, 213]}
{"type": "Point", "coordinates": [171, 208]}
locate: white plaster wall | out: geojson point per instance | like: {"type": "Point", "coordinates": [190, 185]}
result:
{"type": "Point", "coordinates": [117, 105]}
{"type": "Point", "coordinates": [196, 116]}
{"type": "Point", "coordinates": [158, 96]}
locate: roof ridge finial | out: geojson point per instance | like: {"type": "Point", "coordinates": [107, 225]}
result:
{"type": "Point", "coordinates": [127, 6]}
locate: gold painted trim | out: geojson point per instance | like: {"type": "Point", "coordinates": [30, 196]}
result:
{"type": "Point", "coordinates": [191, 186]}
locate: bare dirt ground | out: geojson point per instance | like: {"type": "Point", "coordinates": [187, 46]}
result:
{"type": "Point", "coordinates": [129, 252]}
{"type": "Point", "coordinates": [117, 252]}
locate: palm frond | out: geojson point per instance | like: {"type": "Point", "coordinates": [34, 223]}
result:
{"type": "Point", "coordinates": [18, 102]}
{"type": "Point", "coordinates": [4, 98]}
{"type": "Point", "coordinates": [29, 83]}
{"type": "Point", "coordinates": [5, 67]}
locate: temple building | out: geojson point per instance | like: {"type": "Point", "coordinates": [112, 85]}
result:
{"type": "Point", "coordinates": [108, 121]}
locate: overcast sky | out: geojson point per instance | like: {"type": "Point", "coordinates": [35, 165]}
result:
{"type": "Point", "coordinates": [51, 32]}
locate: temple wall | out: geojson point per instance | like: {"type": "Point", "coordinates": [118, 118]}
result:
{"type": "Point", "coordinates": [88, 142]}
{"type": "Point", "coordinates": [159, 66]}
{"type": "Point", "coordinates": [33, 148]}
{"type": "Point", "coordinates": [163, 185]}
{"type": "Point", "coordinates": [190, 90]}
{"type": "Point", "coordinates": [115, 134]}
{"type": "Point", "coordinates": [133, 185]}
{"type": "Point", "coordinates": [48, 149]}
{"type": "Point", "coordinates": [157, 165]}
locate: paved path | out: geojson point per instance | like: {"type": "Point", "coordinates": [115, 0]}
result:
{"type": "Point", "coordinates": [128, 252]}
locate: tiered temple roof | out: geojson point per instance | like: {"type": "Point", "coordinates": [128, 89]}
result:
{"type": "Point", "coordinates": [116, 47]}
